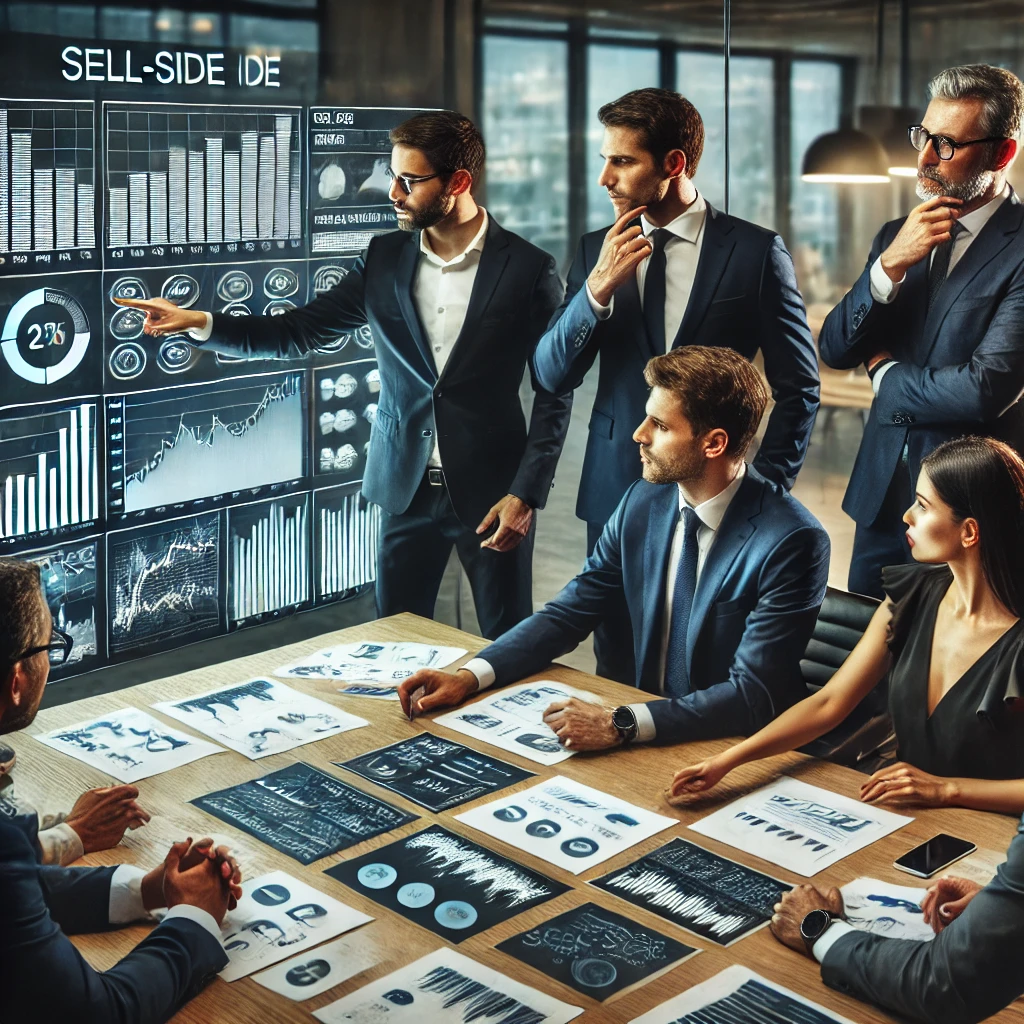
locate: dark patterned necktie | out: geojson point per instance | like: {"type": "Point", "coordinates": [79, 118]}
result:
{"type": "Point", "coordinates": [677, 678]}
{"type": "Point", "coordinates": [940, 264]}
{"type": "Point", "coordinates": [654, 291]}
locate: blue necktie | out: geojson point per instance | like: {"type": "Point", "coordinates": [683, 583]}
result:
{"type": "Point", "coordinates": [677, 678]}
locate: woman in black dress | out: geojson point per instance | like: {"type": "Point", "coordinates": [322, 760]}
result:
{"type": "Point", "coordinates": [951, 639]}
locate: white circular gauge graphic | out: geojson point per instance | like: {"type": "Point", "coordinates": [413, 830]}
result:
{"type": "Point", "coordinates": [42, 335]}
{"type": "Point", "coordinates": [127, 361]}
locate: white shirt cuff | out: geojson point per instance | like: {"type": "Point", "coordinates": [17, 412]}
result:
{"type": "Point", "coordinates": [883, 288]}
{"type": "Point", "coordinates": [482, 670]}
{"type": "Point", "coordinates": [126, 895]}
{"type": "Point", "coordinates": [601, 312]}
{"type": "Point", "coordinates": [836, 930]}
{"type": "Point", "coordinates": [202, 333]}
{"type": "Point", "coordinates": [197, 914]}
{"type": "Point", "coordinates": [645, 731]}
{"type": "Point", "coordinates": [61, 845]}
{"type": "Point", "coordinates": [876, 381]}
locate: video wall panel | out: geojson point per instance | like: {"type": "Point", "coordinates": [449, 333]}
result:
{"type": "Point", "coordinates": [170, 494]}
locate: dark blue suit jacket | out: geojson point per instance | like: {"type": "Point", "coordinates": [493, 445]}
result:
{"type": "Point", "coordinates": [967, 973]}
{"type": "Point", "coordinates": [486, 449]}
{"type": "Point", "coordinates": [753, 612]}
{"type": "Point", "coordinates": [744, 297]}
{"type": "Point", "coordinates": [44, 978]}
{"type": "Point", "coordinates": [960, 366]}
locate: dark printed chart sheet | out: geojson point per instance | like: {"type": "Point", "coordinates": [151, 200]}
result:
{"type": "Point", "coordinates": [435, 773]}
{"type": "Point", "coordinates": [303, 812]}
{"type": "Point", "coordinates": [446, 883]}
{"type": "Point", "coordinates": [595, 951]}
{"type": "Point", "coordinates": [711, 896]}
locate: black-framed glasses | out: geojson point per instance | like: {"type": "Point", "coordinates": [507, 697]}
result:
{"type": "Point", "coordinates": [406, 181]}
{"type": "Point", "coordinates": [59, 648]}
{"type": "Point", "coordinates": [945, 147]}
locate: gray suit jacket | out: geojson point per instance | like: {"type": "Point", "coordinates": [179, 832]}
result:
{"type": "Point", "coordinates": [972, 970]}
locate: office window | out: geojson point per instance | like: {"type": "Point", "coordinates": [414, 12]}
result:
{"type": "Point", "coordinates": [611, 71]}
{"type": "Point", "coordinates": [815, 97]}
{"type": "Point", "coordinates": [526, 126]}
{"type": "Point", "coordinates": [751, 139]}
{"type": "Point", "coordinates": [700, 77]}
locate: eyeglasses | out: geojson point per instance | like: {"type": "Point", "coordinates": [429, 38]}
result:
{"type": "Point", "coordinates": [406, 181]}
{"type": "Point", "coordinates": [59, 647]}
{"type": "Point", "coordinates": [945, 147]}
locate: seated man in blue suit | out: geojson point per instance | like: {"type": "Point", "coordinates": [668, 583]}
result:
{"type": "Point", "coordinates": [42, 975]}
{"type": "Point", "coordinates": [722, 571]}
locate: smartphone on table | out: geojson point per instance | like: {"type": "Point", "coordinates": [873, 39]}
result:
{"type": "Point", "coordinates": [932, 856]}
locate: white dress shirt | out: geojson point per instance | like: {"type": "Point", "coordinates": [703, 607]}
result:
{"type": "Point", "coordinates": [682, 254]}
{"type": "Point", "coordinates": [710, 513]}
{"type": "Point", "coordinates": [885, 290]}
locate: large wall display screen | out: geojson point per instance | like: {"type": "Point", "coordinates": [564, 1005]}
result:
{"type": "Point", "coordinates": [167, 493]}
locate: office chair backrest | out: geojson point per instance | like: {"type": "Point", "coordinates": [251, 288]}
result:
{"type": "Point", "coordinates": [841, 623]}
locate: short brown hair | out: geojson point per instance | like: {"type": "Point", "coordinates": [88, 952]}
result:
{"type": "Point", "coordinates": [717, 387]}
{"type": "Point", "coordinates": [665, 119]}
{"type": "Point", "coordinates": [20, 599]}
{"type": "Point", "coordinates": [448, 139]}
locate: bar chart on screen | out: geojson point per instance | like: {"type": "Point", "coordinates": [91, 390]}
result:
{"type": "Point", "coordinates": [47, 185]}
{"type": "Point", "coordinates": [175, 449]}
{"type": "Point", "coordinates": [201, 181]}
{"type": "Point", "coordinates": [346, 529]}
{"type": "Point", "coordinates": [48, 471]}
{"type": "Point", "coordinates": [268, 559]}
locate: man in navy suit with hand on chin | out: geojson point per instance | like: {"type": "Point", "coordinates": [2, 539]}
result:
{"type": "Point", "coordinates": [722, 572]}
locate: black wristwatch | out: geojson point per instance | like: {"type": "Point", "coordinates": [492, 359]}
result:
{"type": "Point", "coordinates": [813, 926]}
{"type": "Point", "coordinates": [625, 723]}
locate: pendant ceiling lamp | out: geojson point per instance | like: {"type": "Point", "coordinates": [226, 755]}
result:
{"type": "Point", "coordinates": [846, 157]}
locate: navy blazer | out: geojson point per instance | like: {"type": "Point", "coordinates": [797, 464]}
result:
{"type": "Point", "coordinates": [755, 606]}
{"type": "Point", "coordinates": [744, 297]}
{"type": "Point", "coordinates": [960, 366]}
{"type": "Point", "coordinates": [474, 405]}
{"type": "Point", "coordinates": [43, 977]}
{"type": "Point", "coordinates": [968, 972]}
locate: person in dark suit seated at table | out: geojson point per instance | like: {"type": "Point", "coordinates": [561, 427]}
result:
{"type": "Point", "coordinates": [672, 270]}
{"type": "Point", "coordinates": [968, 972]}
{"type": "Point", "coordinates": [950, 639]}
{"type": "Point", "coordinates": [42, 975]}
{"type": "Point", "coordinates": [937, 315]}
{"type": "Point", "coordinates": [455, 304]}
{"type": "Point", "coordinates": [722, 571]}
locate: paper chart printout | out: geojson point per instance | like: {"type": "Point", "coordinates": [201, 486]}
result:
{"type": "Point", "coordinates": [260, 717]}
{"type": "Point", "coordinates": [434, 772]}
{"type": "Point", "coordinates": [445, 987]}
{"type": "Point", "coordinates": [277, 917]}
{"type": "Point", "coordinates": [128, 744]}
{"type": "Point", "coordinates": [446, 883]}
{"type": "Point", "coordinates": [596, 951]}
{"type": "Point", "coordinates": [800, 827]}
{"type": "Point", "coordinates": [512, 718]}
{"type": "Point", "coordinates": [377, 662]}
{"type": "Point", "coordinates": [738, 995]}
{"type": "Point", "coordinates": [886, 909]}
{"type": "Point", "coordinates": [711, 896]}
{"type": "Point", "coordinates": [312, 973]}
{"type": "Point", "coordinates": [304, 812]}
{"type": "Point", "coordinates": [566, 823]}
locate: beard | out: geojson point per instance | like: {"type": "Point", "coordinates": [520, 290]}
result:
{"type": "Point", "coordinates": [426, 216]}
{"type": "Point", "coordinates": [686, 466]}
{"type": "Point", "coordinates": [932, 183]}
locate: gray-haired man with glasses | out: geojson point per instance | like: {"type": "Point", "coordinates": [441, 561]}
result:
{"type": "Point", "coordinates": [937, 316]}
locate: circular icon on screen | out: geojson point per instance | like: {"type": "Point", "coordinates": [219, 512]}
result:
{"type": "Point", "coordinates": [376, 876]}
{"type": "Point", "coordinates": [127, 324]}
{"type": "Point", "coordinates": [327, 278]}
{"type": "Point", "coordinates": [181, 289]}
{"type": "Point", "coordinates": [127, 361]}
{"type": "Point", "coordinates": [345, 386]}
{"type": "Point", "coordinates": [235, 286]}
{"type": "Point", "coordinates": [237, 309]}
{"type": "Point", "coordinates": [455, 914]}
{"type": "Point", "coordinates": [277, 307]}
{"type": "Point", "coordinates": [280, 282]}
{"type": "Point", "coordinates": [45, 335]}
{"type": "Point", "coordinates": [129, 288]}
{"type": "Point", "coordinates": [363, 336]}
{"type": "Point", "coordinates": [176, 356]}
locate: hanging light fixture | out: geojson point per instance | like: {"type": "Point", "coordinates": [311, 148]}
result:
{"type": "Point", "coordinates": [901, 154]}
{"type": "Point", "coordinates": [846, 157]}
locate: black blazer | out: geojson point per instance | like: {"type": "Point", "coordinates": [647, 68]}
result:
{"type": "Point", "coordinates": [44, 978]}
{"type": "Point", "coordinates": [744, 297]}
{"type": "Point", "coordinates": [485, 447]}
{"type": "Point", "coordinates": [960, 365]}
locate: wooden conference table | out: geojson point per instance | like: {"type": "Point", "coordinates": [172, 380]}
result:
{"type": "Point", "coordinates": [638, 774]}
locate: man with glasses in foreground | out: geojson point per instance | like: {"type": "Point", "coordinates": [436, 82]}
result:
{"type": "Point", "coordinates": [99, 818]}
{"type": "Point", "coordinates": [455, 304]}
{"type": "Point", "coordinates": [41, 905]}
{"type": "Point", "coordinates": [937, 316]}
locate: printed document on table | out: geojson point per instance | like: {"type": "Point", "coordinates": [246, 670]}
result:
{"type": "Point", "coordinates": [370, 661]}
{"type": "Point", "coordinates": [886, 909]}
{"type": "Point", "coordinates": [797, 826]}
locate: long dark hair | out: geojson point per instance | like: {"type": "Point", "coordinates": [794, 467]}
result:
{"type": "Point", "coordinates": [983, 479]}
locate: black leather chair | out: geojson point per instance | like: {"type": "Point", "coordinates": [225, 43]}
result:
{"type": "Point", "coordinates": [841, 623]}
